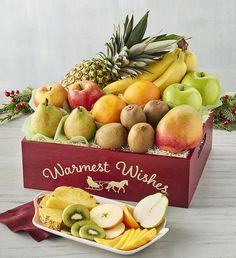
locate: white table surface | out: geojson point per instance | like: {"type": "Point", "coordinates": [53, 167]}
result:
{"type": "Point", "coordinates": [206, 230]}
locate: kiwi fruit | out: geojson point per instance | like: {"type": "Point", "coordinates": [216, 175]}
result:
{"type": "Point", "coordinates": [141, 137]}
{"type": "Point", "coordinates": [77, 225]}
{"type": "Point", "coordinates": [74, 213]}
{"type": "Point", "coordinates": [111, 136]}
{"type": "Point", "coordinates": [131, 115]}
{"type": "Point", "coordinates": [155, 110]}
{"type": "Point", "coordinates": [90, 231]}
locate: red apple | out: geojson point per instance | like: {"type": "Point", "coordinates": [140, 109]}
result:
{"type": "Point", "coordinates": [55, 93]}
{"type": "Point", "coordinates": [84, 93]}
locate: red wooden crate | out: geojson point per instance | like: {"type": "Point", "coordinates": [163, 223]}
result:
{"type": "Point", "coordinates": [116, 174]}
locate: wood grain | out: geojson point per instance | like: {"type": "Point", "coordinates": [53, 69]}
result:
{"type": "Point", "coordinates": [205, 230]}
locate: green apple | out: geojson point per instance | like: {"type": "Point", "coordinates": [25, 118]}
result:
{"type": "Point", "coordinates": [178, 94]}
{"type": "Point", "coordinates": [208, 86]}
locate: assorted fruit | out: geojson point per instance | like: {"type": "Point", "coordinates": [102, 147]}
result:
{"type": "Point", "coordinates": [76, 212]}
{"type": "Point", "coordinates": [144, 92]}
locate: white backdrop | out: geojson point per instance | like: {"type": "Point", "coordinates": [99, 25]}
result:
{"type": "Point", "coordinates": [40, 40]}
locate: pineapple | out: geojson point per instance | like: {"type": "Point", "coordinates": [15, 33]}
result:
{"type": "Point", "coordinates": [63, 196]}
{"type": "Point", "coordinates": [128, 55]}
{"type": "Point", "coordinates": [51, 218]}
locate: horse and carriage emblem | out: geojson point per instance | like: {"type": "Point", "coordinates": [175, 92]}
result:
{"type": "Point", "coordinates": [108, 185]}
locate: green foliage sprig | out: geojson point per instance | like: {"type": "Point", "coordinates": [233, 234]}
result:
{"type": "Point", "coordinates": [18, 104]}
{"type": "Point", "coordinates": [225, 115]}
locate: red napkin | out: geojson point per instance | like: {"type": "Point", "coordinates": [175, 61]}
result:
{"type": "Point", "coordinates": [20, 219]}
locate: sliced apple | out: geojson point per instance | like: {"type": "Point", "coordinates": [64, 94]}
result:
{"type": "Point", "coordinates": [150, 211]}
{"type": "Point", "coordinates": [115, 231]}
{"type": "Point", "coordinates": [107, 215]}
{"type": "Point", "coordinates": [128, 217]}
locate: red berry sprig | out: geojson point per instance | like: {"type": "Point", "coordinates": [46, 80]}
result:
{"type": "Point", "coordinates": [226, 122]}
{"type": "Point", "coordinates": [226, 97]}
{"type": "Point", "coordinates": [18, 104]}
{"type": "Point", "coordinates": [225, 115]}
{"type": "Point", "coordinates": [234, 110]}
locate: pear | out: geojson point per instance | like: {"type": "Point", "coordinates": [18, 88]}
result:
{"type": "Point", "coordinates": [150, 211]}
{"type": "Point", "coordinates": [180, 129]}
{"type": "Point", "coordinates": [46, 119]}
{"type": "Point", "coordinates": [80, 123]}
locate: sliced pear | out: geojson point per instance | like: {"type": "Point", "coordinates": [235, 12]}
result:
{"type": "Point", "coordinates": [107, 215]}
{"type": "Point", "coordinates": [150, 211]}
{"type": "Point", "coordinates": [115, 231]}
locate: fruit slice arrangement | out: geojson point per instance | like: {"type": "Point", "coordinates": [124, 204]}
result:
{"type": "Point", "coordinates": [143, 93]}
{"type": "Point", "coordinates": [76, 212]}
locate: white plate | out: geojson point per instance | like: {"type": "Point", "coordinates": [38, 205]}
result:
{"type": "Point", "coordinates": [36, 221]}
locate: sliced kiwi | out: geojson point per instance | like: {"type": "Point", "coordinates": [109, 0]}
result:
{"type": "Point", "coordinates": [74, 213]}
{"type": "Point", "coordinates": [90, 231]}
{"type": "Point", "coordinates": [77, 225]}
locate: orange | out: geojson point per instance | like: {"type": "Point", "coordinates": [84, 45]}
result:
{"type": "Point", "coordinates": [128, 219]}
{"type": "Point", "coordinates": [107, 109]}
{"type": "Point", "coordinates": [141, 92]}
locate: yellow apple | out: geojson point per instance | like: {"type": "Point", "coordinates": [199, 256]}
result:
{"type": "Point", "coordinates": [55, 93]}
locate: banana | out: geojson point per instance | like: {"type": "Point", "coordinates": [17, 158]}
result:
{"type": "Point", "coordinates": [119, 86]}
{"type": "Point", "coordinates": [154, 71]}
{"type": "Point", "coordinates": [190, 60]}
{"type": "Point", "coordinates": [173, 74]}
{"type": "Point", "coordinates": [158, 68]}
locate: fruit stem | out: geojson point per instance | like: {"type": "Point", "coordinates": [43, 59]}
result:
{"type": "Point", "coordinates": [50, 88]}
{"type": "Point", "coordinates": [46, 102]}
{"type": "Point", "coordinates": [183, 44]}
{"type": "Point", "coordinates": [181, 87]}
{"type": "Point", "coordinates": [201, 74]}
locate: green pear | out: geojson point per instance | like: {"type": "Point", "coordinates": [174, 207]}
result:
{"type": "Point", "coordinates": [80, 123]}
{"type": "Point", "coordinates": [46, 119]}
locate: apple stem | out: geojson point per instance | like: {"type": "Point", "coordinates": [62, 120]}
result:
{"type": "Point", "coordinates": [201, 74]}
{"type": "Point", "coordinates": [46, 102]}
{"type": "Point", "coordinates": [50, 88]}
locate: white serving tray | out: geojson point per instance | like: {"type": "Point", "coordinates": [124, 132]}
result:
{"type": "Point", "coordinates": [36, 221]}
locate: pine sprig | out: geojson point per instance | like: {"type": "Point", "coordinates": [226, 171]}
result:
{"type": "Point", "coordinates": [225, 115]}
{"type": "Point", "coordinates": [18, 105]}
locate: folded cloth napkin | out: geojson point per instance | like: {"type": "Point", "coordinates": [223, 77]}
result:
{"type": "Point", "coordinates": [20, 219]}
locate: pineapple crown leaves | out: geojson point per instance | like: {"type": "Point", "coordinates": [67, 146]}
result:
{"type": "Point", "coordinates": [129, 53]}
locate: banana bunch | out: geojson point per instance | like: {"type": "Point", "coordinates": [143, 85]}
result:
{"type": "Point", "coordinates": [170, 69]}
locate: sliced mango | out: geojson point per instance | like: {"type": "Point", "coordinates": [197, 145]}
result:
{"type": "Point", "coordinates": [108, 242]}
